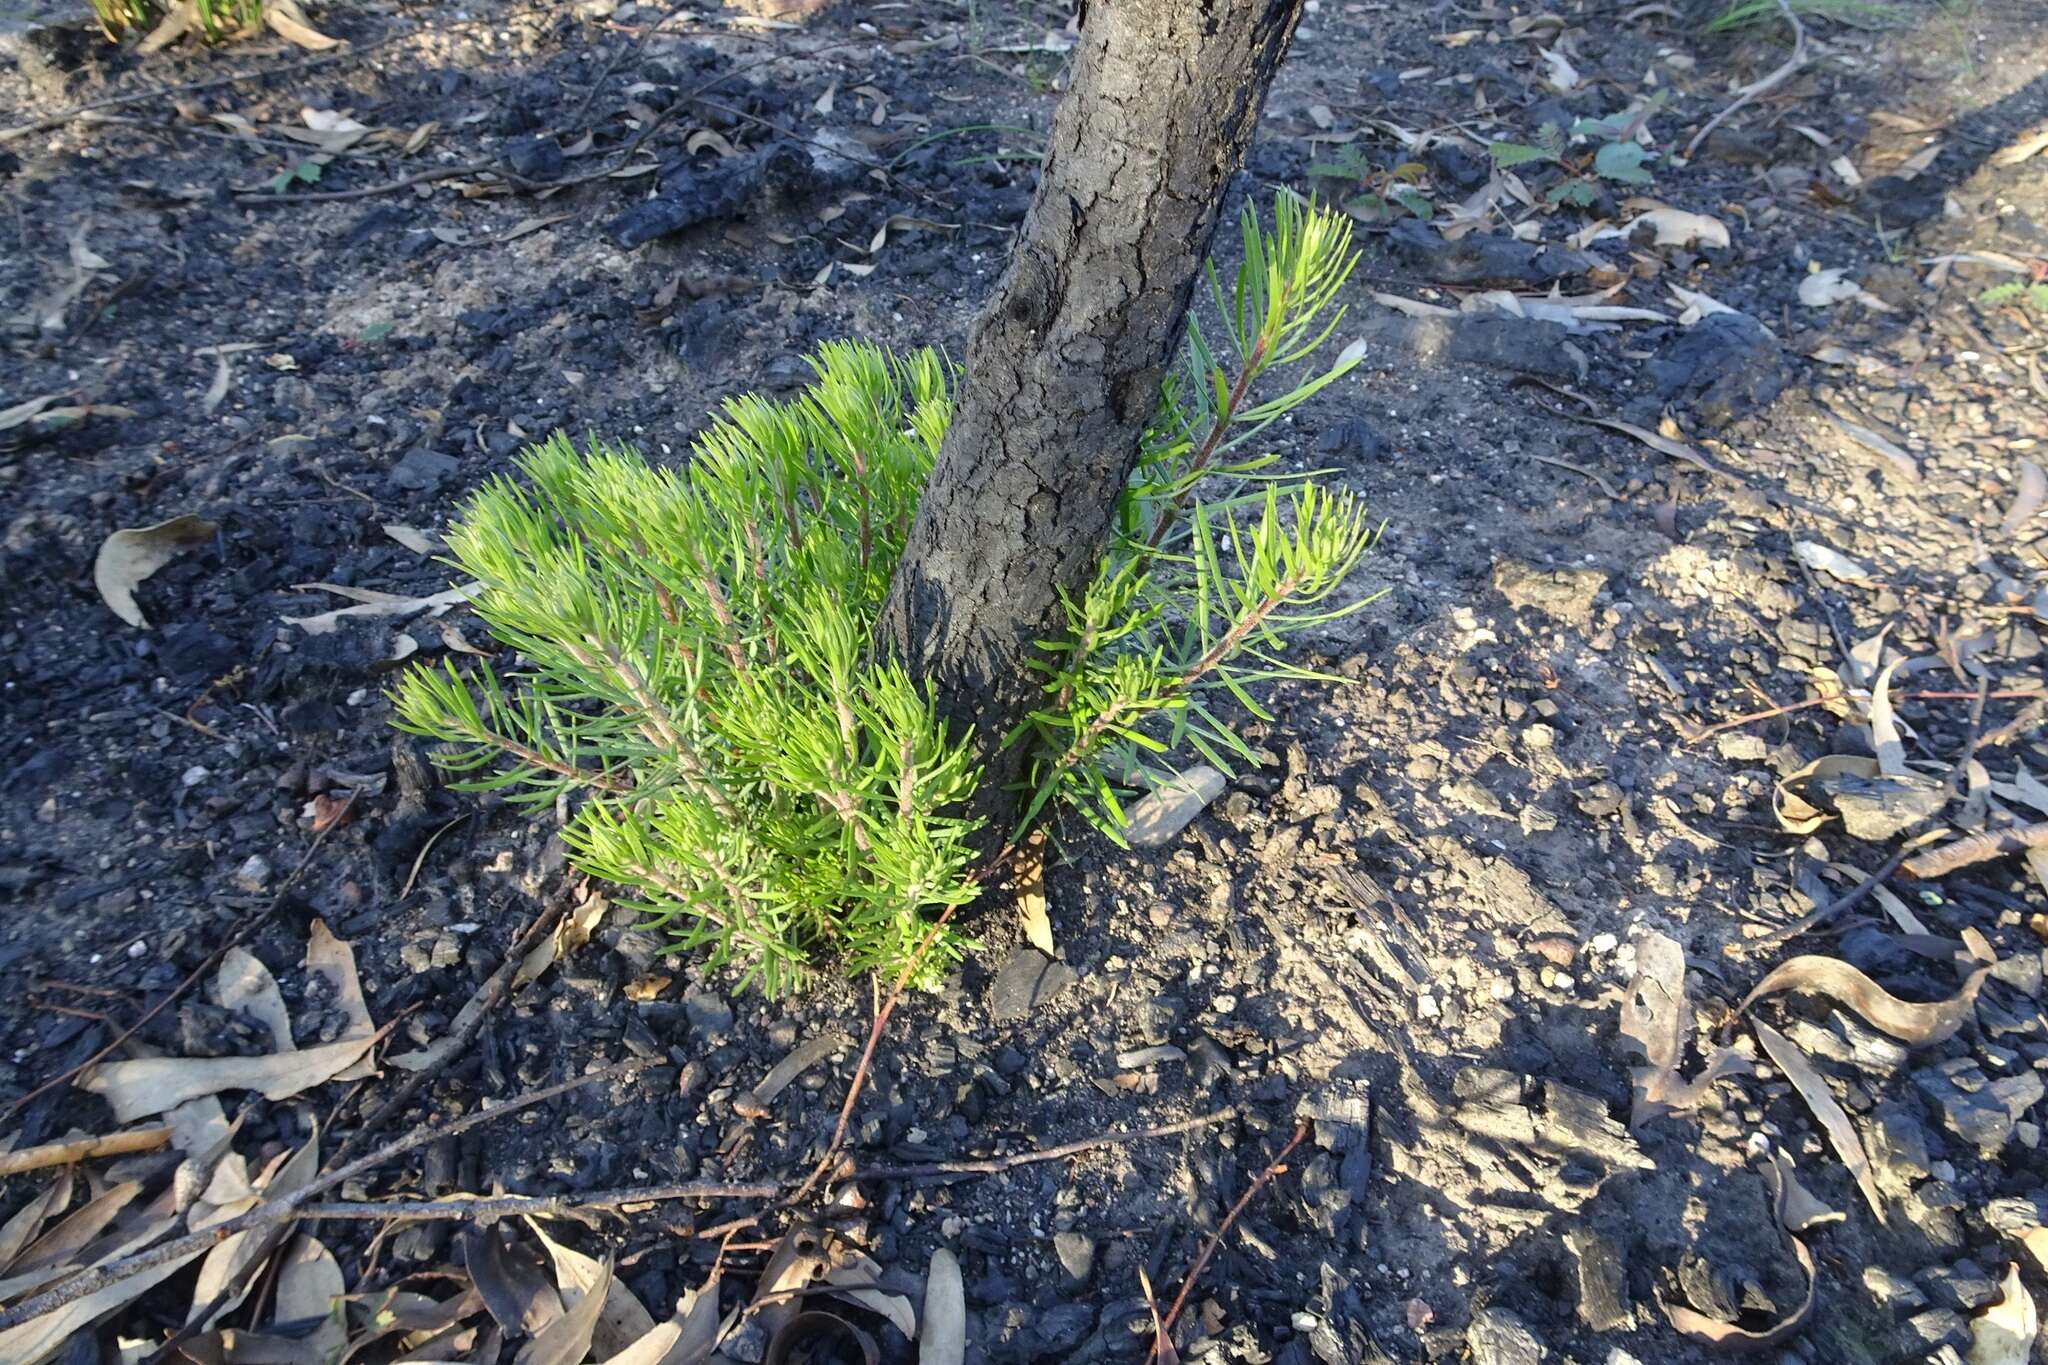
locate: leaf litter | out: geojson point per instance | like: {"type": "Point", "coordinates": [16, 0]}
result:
{"type": "Point", "coordinates": [1657, 1024]}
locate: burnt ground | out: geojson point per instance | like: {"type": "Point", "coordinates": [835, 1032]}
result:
{"type": "Point", "coordinates": [1433, 894]}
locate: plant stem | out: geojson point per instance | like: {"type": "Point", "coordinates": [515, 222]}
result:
{"type": "Point", "coordinates": [1200, 459]}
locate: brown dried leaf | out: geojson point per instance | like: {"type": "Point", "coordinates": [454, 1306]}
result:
{"type": "Point", "coordinates": [859, 1279]}
{"type": "Point", "coordinates": [2033, 492]}
{"type": "Point", "coordinates": [131, 555]}
{"type": "Point", "coordinates": [566, 1340]}
{"type": "Point", "coordinates": [1910, 1023]}
{"type": "Point", "coordinates": [799, 1338]}
{"type": "Point", "coordinates": [334, 961]}
{"type": "Point", "coordinates": [288, 21]}
{"type": "Point", "coordinates": [2004, 1333]}
{"type": "Point", "coordinates": [28, 1220]}
{"type": "Point", "coordinates": [309, 1285]}
{"type": "Point", "coordinates": [150, 1085]}
{"type": "Point", "coordinates": [1656, 1021]}
{"type": "Point", "coordinates": [514, 1289]}
{"type": "Point", "coordinates": [381, 605]}
{"type": "Point", "coordinates": [1812, 1089]}
{"type": "Point", "coordinates": [623, 1319]}
{"type": "Point", "coordinates": [1798, 1209]}
{"type": "Point", "coordinates": [1730, 1339]}
{"type": "Point", "coordinates": [797, 1260]}
{"type": "Point", "coordinates": [1031, 902]}
{"type": "Point", "coordinates": [801, 1058]}
{"type": "Point", "coordinates": [36, 1340]}
{"type": "Point", "coordinates": [244, 983]}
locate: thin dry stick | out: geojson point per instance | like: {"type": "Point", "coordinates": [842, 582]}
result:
{"type": "Point", "coordinates": [999, 1164]}
{"type": "Point", "coordinates": [112, 1272]}
{"type": "Point", "coordinates": [83, 1149]}
{"type": "Point", "coordinates": [1772, 713]}
{"type": "Point", "coordinates": [1761, 87]}
{"type": "Point", "coordinates": [488, 997]}
{"type": "Point", "coordinates": [888, 1007]}
{"type": "Point", "coordinates": [1842, 904]}
{"type": "Point", "coordinates": [240, 935]}
{"type": "Point", "coordinates": [1978, 848]}
{"type": "Point", "coordinates": [1187, 1286]}
{"type": "Point", "coordinates": [531, 1206]}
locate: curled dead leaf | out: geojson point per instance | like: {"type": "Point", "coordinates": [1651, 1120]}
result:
{"type": "Point", "coordinates": [1656, 1023]}
{"type": "Point", "coordinates": [1821, 1101]}
{"type": "Point", "coordinates": [129, 556]}
{"type": "Point", "coordinates": [1910, 1023]}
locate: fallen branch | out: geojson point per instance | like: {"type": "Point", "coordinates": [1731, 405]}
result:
{"type": "Point", "coordinates": [1187, 1286]}
{"type": "Point", "coordinates": [1977, 848]}
{"type": "Point", "coordinates": [1759, 87]}
{"type": "Point", "coordinates": [263, 1215]}
{"type": "Point", "coordinates": [83, 1149]}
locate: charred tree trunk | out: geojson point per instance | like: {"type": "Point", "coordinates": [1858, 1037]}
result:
{"type": "Point", "coordinates": [1064, 364]}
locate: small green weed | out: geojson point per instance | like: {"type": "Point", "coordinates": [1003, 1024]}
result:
{"type": "Point", "coordinates": [1741, 14]}
{"type": "Point", "coordinates": [1373, 195]}
{"type": "Point", "coordinates": [215, 19]}
{"type": "Point", "coordinates": [1618, 155]}
{"type": "Point", "coordinates": [2030, 294]}
{"type": "Point", "coordinates": [692, 668]}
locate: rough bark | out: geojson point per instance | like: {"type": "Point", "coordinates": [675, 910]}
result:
{"type": "Point", "coordinates": [1063, 366]}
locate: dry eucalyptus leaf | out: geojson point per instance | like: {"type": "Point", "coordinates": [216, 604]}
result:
{"type": "Point", "coordinates": [527, 225]}
{"type": "Point", "coordinates": [859, 1280]}
{"type": "Point", "coordinates": [334, 961]}
{"type": "Point", "coordinates": [1730, 1339]}
{"type": "Point", "coordinates": [55, 1249]}
{"type": "Point", "coordinates": [1168, 808]}
{"type": "Point", "coordinates": [244, 983]}
{"type": "Point", "coordinates": [288, 21]}
{"type": "Point", "coordinates": [129, 556]}
{"type": "Point", "coordinates": [1915, 1024]}
{"type": "Point", "coordinates": [2004, 1333]}
{"type": "Point", "coordinates": [1799, 1211]}
{"type": "Point", "coordinates": [226, 1269]}
{"type": "Point", "coordinates": [944, 1341]}
{"type": "Point", "coordinates": [1814, 555]}
{"type": "Point", "coordinates": [1825, 288]}
{"type": "Point", "coordinates": [308, 1284]}
{"type": "Point", "coordinates": [1821, 1101]}
{"type": "Point", "coordinates": [801, 1058]}
{"type": "Point", "coordinates": [38, 1339]}
{"type": "Point", "coordinates": [150, 1085]}
{"type": "Point", "coordinates": [1676, 227]}
{"type": "Point", "coordinates": [380, 605]}
{"type": "Point", "coordinates": [1884, 725]}
{"type": "Point", "coordinates": [566, 1340]}
{"type": "Point", "coordinates": [28, 1220]}
{"type": "Point", "coordinates": [1656, 1022]}
{"type": "Point", "coordinates": [23, 411]}
{"type": "Point", "coordinates": [798, 1259]}
{"type": "Point", "coordinates": [2033, 492]}
{"type": "Point", "coordinates": [1031, 902]}
{"type": "Point", "coordinates": [622, 1320]}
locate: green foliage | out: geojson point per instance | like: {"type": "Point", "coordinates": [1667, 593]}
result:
{"type": "Point", "coordinates": [1740, 14]}
{"type": "Point", "coordinates": [2027, 293]}
{"type": "Point", "coordinates": [1373, 195]}
{"type": "Point", "coordinates": [1618, 156]}
{"type": "Point", "coordinates": [694, 675]}
{"type": "Point", "coordinates": [216, 19]}
{"type": "Point", "coordinates": [307, 170]}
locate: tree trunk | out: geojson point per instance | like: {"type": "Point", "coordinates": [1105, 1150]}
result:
{"type": "Point", "coordinates": [1064, 365]}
